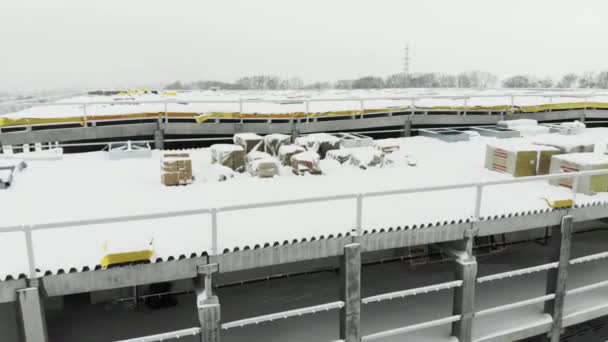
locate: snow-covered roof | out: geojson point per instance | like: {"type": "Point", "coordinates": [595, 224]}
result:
{"type": "Point", "coordinates": [87, 186]}
{"type": "Point", "coordinates": [294, 101]}
{"type": "Point", "coordinates": [584, 158]}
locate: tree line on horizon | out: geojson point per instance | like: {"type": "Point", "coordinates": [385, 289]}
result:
{"type": "Point", "coordinates": [468, 79]}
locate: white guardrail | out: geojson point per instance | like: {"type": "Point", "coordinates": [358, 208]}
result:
{"type": "Point", "coordinates": [307, 101]}
{"type": "Point", "coordinates": [28, 229]}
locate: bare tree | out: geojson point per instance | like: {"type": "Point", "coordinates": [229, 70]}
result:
{"type": "Point", "coordinates": [567, 81]}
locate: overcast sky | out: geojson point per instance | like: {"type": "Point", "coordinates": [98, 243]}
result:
{"type": "Point", "coordinates": [116, 43]}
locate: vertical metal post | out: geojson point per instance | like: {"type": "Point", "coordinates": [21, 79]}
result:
{"type": "Point", "coordinates": [241, 110]}
{"type": "Point", "coordinates": [466, 104]}
{"type": "Point", "coordinates": [359, 221]}
{"type": "Point", "coordinates": [464, 298]}
{"type": "Point", "coordinates": [307, 103]}
{"type": "Point", "coordinates": [208, 305]}
{"type": "Point", "coordinates": [478, 198]}
{"type": "Point", "coordinates": [556, 278]}
{"type": "Point", "coordinates": [413, 106]}
{"type": "Point", "coordinates": [407, 127]}
{"type": "Point", "coordinates": [214, 243]}
{"type": "Point", "coordinates": [29, 244]}
{"type": "Point", "coordinates": [84, 114]}
{"type": "Point", "coordinates": [350, 293]}
{"type": "Point", "coordinates": [512, 103]}
{"type": "Point", "coordinates": [159, 139]}
{"type": "Point", "coordinates": [166, 112]}
{"type": "Point", "coordinates": [31, 315]}
{"type": "Point", "coordinates": [575, 182]}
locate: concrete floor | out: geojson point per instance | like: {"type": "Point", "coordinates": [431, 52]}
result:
{"type": "Point", "coordinates": [97, 323]}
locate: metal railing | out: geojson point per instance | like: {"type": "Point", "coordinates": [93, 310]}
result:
{"type": "Point", "coordinates": [359, 197]}
{"type": "Point", "coordinates": [403, 294]}
{"type": "Point", "coordinates": [305, 102]}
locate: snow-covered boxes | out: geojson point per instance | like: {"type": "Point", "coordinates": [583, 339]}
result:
{"type": "Point", "coordinates": [249, 141]}
{"type": "Point", "coordinates": [286, 151]}
{"type": "Point", "coordinates": [262, 164]}
{"type": "Point", "coordinates": [365, 157]}
{"type": "Point", "coordinates": [526, 127]}
{"type": "Point", "coordinates": [519, 160]}
{"type": "Point", "coordinates": [319, 143]}
{"type": "Point", "coordinates": [273, 142]}
{"type": "Point", "coordinates": [342, 156]}
{"type": "Point", "coordinates": [350, 140]}
{"type": "Point", "coordinates": [567, 144]}
{"type": "Point", "coordinates": [387, 146]}
{"type": "Point", "coordinates": [176, 169]}
{"type": "Point", "coordinates": [232, 156]}
{"type": "Point", "coordinates": [574, 162]}
{"type": "Point", "coordinates": [567, 128]}
{"type": "Point", "coordinates": [305, 162]}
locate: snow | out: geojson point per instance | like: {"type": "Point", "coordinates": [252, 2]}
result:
{"type": "Point", "coordinates": [226, 148]}
{"type": "Point", "coordinates": [89, 185]}
{"type": "Point", "coordinates": [584, 158]}
{"type": "Point", "coordinates": [517, 123]}
{"type": "Point", "coordinates": [568, 143]}
{"type": "Point", "coordinates": [246, 136]}
{"type": "Point", "coordinates": [520, 145]}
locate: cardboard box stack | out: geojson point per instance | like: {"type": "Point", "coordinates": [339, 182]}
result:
{"type": "Point", "coordinates": [574, 162]}
{"type": "Point", "coordinates": [176, 169]}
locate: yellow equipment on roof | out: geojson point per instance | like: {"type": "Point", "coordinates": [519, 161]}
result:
{"type": "Point", "coordinates": [116, 256]}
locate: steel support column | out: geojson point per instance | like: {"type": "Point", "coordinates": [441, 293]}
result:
{"type": "Point", "coordinates": [464, 298]}
{"type": "Point", "coordinates": [159, 140]}
{"type": "Point", "coordinates": [31, 315]}
{"type": "Point", "coordinates": [350, 293]}
{"type": "Point", "coordinates": [561, 238]}
{"type": "Point", "coordinates": [208, 305]}
{"type": "Point", "coordinates": [407, 128]}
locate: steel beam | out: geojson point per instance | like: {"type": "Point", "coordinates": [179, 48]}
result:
{"type": "Point", "coordinates": [556, 278]}
{"type": "Point", "coordinates": [31, 315]}
{"type": "Point", "coordinates": [350, 293]}
{"type": "Point", "coordinates": [407, 128]}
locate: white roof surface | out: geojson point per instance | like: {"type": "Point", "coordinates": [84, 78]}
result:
{"type": "Point", "coordinates": [89, 185]}
{"type": "Point", "coordinates": [292, 101]}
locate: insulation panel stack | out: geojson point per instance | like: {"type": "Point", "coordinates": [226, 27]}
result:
{"type": "Point", "coordinates": [575, 162]}
{"type": "Point", "coordinates": [176, 169]}
{"type": "Point", "coordinates": [519, 161]}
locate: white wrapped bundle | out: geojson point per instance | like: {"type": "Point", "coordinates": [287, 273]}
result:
{"type": "Point", "coordinates": [249, 141]}
{"type": "Point", "coordinates": [341, 156]}
{"type": "Point", "coordinates": [365, 157]}
{"type": "Point", "coordinates": [273, 142]}
{"type": "Point", "coordinates": [305, 162]}
{"type": "Point", "coordinates": [232, 156]}
{"type": "Point", "coordinates": [286, 151]}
